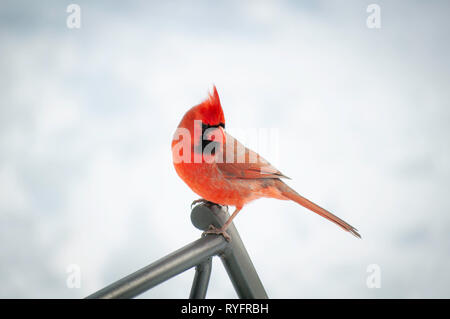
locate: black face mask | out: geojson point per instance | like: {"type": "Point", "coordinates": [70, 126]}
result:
{"type": "Point", "coordinates": [199, 147]}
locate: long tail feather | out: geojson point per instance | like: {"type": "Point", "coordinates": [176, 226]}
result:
{"type": "Point", "coordinates": [293, 195]}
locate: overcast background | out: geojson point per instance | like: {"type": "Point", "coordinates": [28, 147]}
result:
{"type": "Point", "coordinates": [87, 117]}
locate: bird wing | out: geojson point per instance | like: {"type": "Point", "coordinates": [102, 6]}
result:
{"type": "Point", "coordinates": [243, 163]}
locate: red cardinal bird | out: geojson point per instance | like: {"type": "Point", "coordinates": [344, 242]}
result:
{"type": "Point", "coordinates": [223, 171]}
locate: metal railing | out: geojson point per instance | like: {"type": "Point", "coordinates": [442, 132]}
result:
{"type": "Point", "coordinates": [197, 254]}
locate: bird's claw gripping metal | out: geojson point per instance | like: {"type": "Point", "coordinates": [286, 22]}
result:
{"type": "Point", "coordinates": [217, 231]}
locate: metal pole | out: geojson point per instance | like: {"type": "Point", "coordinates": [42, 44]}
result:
{"type": "Point", "coordinates": [235, 257]}
{"type": "Point", "coordinates": [177, 262]}
{"type": "Point", "coordinates": [201, 280]}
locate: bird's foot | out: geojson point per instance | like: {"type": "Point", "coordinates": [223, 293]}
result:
{"type": "Point", "coordinates": [217, 231]}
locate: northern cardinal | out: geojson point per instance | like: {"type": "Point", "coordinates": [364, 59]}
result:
{"type": "Point", "coordinates": [223, 171]}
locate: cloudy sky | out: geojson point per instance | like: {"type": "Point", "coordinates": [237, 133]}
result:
{"type": "Point", "coordinates": [362, 117]}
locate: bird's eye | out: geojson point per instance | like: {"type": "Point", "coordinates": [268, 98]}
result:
{"type": "Point", "coordinates": [213, 134]}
